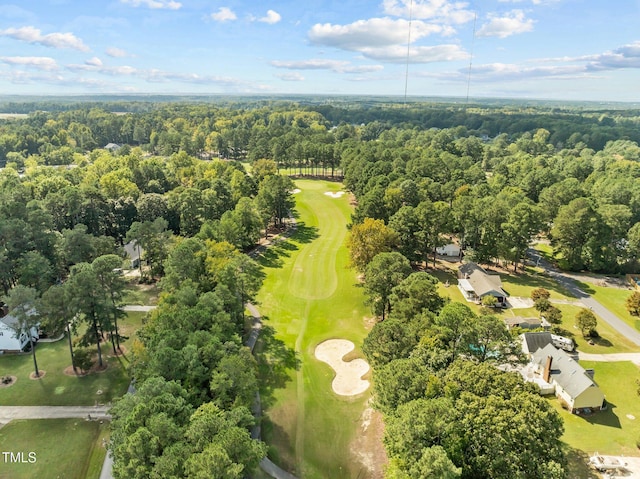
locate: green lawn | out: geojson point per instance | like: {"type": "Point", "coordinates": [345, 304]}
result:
{"type": "Point", "coordinates": [610, 340]}
{"type": "Point", "coordinates": [310, 295]}
{"type": "Point", "coordinates": [522, 284]}
{"type": "Point", "coordinates": [611, 431]}
{"type": "Point", "coordinates": [614, 299]}
{"type": "Point", "coordinates": [59, 389]}
{"type": "Point", "coordinates": [69, 448]}
{"type": "Point", "coordinates": [141, 294]}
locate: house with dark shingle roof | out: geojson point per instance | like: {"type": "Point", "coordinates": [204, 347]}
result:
{"type": "Point", "coordinates": [574, 386]}
{"type": "Point", "coordinates": [475, 283]}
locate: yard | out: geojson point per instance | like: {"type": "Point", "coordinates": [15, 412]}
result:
{"type": "Point", "coordinates": [69, 448]}
{"type": "Point", "coordinates": [610, 341]}
{"type": "Point", "coordinates": [616, 430]}
{"type": "Point", "coordinates": [613, 299]}
{"type": "Point", "coordinates": [59, 389]}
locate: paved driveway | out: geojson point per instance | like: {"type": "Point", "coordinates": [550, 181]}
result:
{"type": "Point", "coordinates": [570, 284]}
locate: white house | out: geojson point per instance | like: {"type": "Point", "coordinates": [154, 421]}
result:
{"type": "Point", "coordinates": [475, 283]}
{"type": "Point", "coordinates": [450, 249]}
{"type": "Point", "coordinates": [574, 386]}
{"type": "Point", "coordinates": [9, 340]}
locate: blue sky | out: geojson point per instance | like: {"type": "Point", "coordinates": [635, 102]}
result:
{"type": "Point", "coordinates": [547, 49]}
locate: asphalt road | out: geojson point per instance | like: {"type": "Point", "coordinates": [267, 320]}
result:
{"type": "Point", "coordinates": [586, 299]}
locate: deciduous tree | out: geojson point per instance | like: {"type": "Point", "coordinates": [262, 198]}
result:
{"type": "Point", "coordinates": [368, 239]}
{"type": "Point", "coordinates": [382, 274]}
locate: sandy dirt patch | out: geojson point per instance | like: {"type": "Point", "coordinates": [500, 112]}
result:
{"type": "Point", "coordinates": [34, 377]}
{"type": "Point", "coordinates": [348, 380]}
{"type": "Point", "coordinates": [369, 455]}
{"type": "Point", "coordinates": [334, 194]}
{"type": "Point", "coordinates": [295, 190]}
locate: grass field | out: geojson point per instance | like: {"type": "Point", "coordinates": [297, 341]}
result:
{"type": "Point", "coordinates": [69, 448]}
{"type": "Point", "coordinates": [614, 299]}
{"type": "Point", "coordinates": [612, 431]}
{"type": "Point", "coordinates": [59, 389]}
{"type": "Point", "coordinates": [310, 295]}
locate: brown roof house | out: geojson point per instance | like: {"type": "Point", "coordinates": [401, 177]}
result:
{"type": "Point", "coordinates": [475, 283]}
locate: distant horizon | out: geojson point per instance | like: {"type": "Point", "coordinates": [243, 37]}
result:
{"type": "Point", "coordinates": [549, 50]}
{"type": "Point", "coordinates": [445, 99]}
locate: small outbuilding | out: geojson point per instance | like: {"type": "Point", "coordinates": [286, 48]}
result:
{"type": "Point", "coordinates": [450, 249]}
{"type": "Point", "coordinates": [134, 252]}
{"type": "Point", "coordinates": [524, 323]}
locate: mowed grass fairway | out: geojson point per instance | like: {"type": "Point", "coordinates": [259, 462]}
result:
{"type": "Point", "coordinates": [310, 295]}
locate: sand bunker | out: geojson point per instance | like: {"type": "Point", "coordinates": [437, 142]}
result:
{"type": "Point", "coordinates": [334, 195]}
{"type": "Point", "coordinates": [294, 191]}
{"type": "Point", "coordinates": [348, 380]}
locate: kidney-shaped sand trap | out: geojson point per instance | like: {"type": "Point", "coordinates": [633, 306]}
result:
{"type": "Point", "coordinates": [337, 194]}
{"type": "Point", "coordinates": [348, 380]}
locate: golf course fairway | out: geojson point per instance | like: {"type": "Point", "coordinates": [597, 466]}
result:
{"type": "Point", "coordinates": [311, 295]}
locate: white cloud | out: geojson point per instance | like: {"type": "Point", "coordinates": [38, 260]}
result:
{"type": "Point", "coordinates": [375, 32]}
{"type": "Point", "coordinates": [338, 66]}
{"type": "Point", "coordinates": [292, 76]}
{"type": "Point", "coordinates": [535, 2]}
{"type": "Point", "coordinates": [95, 61]}
{"type": "Point", "coordinates": [116, 52]}
{"type": "Point", "coordinates": [417, 54]}
{"type": "Point", "coordinates": [154, 4]}
{"type": "Point", "coordinates": [162, 76]}
{"type": "Point", "coordinates": [40, 63]}
{"type": "Point", "coordinates": [503, 26]}
{"type": "Point", "coordinates": [271, 17]}
{"type": "Point", "coordinates": [385, 39]}
{"type": "Point", "coordinates": [224, 14]}
{"type": "Point", "coordinates": [626, 56]}
{"type": "Point", "coordinates": [438, 10]}
{"type": "Point", "coordinates": [54, 40]}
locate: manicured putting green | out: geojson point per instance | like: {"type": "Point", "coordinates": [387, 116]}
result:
{"type": "Point", "coordinates": [310, 295]}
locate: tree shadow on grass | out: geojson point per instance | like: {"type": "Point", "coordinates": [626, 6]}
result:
{"type": "Point", "coordinates": [534, 281]}
{"type": "Point", "coordinates": [272, 257]}
{"type": "Point", "coordinates": [279, 442]}
{"type": "Point", "coordinates": [586, 287]}
{"type": "Point", "coordinates": [276, 363]}
{"type": "Point", "coordinates": [304, 233]}
{"type": "Point", "coordinates": [578, 464]}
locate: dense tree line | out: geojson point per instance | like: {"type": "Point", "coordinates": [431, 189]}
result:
{"type": "Point", "coordinates": [449, 411]}
{"type": "Point", "coordinates": [496, 196]}
{"type": "Point", "coordinates": [195, 380]}
{"type": "Point", "coordinates": [424, 169]}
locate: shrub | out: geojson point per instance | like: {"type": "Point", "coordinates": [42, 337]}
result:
{"type": "Point", "coordinates": [553, 315]}
{"type": "Point", "coordinates": [540, 293]}
{"type": "Point", "coordinates": [542, 304]}
{"type": "Point", "coordinates": [82, 358]}
{"type": "Point", "coordinates": [633, 304]}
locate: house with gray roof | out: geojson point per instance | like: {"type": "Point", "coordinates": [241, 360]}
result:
{"type": "Point", "coordinates": [574, 386]}
{"type": "Point", "coordinates": [10, 340]}
{"type": "Point", "coordinates": [475, 283]}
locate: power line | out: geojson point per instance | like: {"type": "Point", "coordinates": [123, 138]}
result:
{"type": "Point", "coordinates": [406, 73]}
{"type": "Point", "coordinates": [473, 41]}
